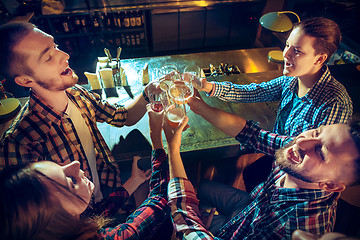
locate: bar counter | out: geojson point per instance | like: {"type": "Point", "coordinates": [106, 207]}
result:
{"type": "Point", "coordinates": [201, 139]}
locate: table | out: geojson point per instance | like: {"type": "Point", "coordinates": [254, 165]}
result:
{"type": "Point", "coordinates": [201, 139]}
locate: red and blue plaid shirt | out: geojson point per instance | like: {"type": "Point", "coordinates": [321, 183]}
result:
{"type": "Point", "coordinates": [275, 211]}
{"type": "Point", "coordinates": [40, 132]}
{"type": "Point", "coordinates": [149, 216]}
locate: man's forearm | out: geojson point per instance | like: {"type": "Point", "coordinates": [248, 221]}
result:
{"type": "Point", "coordinates": [136, 110]}
{"type": "Point", "coordinates": [176, 166]}
{"type": "Point", "coordinates": [228, 123]}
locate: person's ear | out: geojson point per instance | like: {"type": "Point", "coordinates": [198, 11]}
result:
{"type": "Point", "coordinates": [24, 80]}
{"type": "Point", "coordinates": [321, 58]}
{"type": "Point", "coordinates": [332, 186]}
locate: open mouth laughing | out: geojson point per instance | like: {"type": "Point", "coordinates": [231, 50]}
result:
{"type": "Point", "coordinates": [288, 64]}
{"type": "Point", "coordinates": [293, 155]}
{"type": "Point", "coordinates": [67, 72]}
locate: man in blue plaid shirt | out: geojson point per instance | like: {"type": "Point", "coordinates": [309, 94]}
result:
{"type": "Point", "coordinates": [309, 96]}
{"type": "Point", "coordinates": [301, 192]}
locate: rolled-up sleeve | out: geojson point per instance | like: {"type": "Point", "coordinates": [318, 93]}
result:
{"type": "Point", "coordinates": [185, 210]}
{"type": "Point", "coordinates": [260, 139]}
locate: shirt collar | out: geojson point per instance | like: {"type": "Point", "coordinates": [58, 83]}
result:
{"type": "Point", "coordinates": [47, 112]}
{"type": "Point", "coordinates": [281, 194]}
{"type": "Point", "coordinates": [318, 86]}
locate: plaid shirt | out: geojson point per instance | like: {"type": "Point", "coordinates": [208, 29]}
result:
{"type": "Point", "coordinates": [327, 102]}
{"type": "Point", "coordinates": [149, 216]}
{"type": "Point", "coordinates": [275, 211]}
{"type": "Point", "coordinates": [40, 132]}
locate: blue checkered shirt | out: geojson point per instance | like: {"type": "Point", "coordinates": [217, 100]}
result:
{"type": "Point", "coordinates": [327, 102]}
{"type": "Point", "coordinates": [275, 212]}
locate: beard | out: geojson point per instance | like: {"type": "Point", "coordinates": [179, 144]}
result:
{"type": "Point", "coordinates": [51, 84]}
{"type": "Point", "coordinates": [289, 167]}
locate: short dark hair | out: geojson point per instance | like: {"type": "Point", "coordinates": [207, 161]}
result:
{"type": "Point", "coordinates": [326, 32]}
{"type": "Point", "coordinates": [10, 35]}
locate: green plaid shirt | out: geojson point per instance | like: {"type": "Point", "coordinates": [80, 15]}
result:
{"type": "Point", "coordinates": [40, 132]}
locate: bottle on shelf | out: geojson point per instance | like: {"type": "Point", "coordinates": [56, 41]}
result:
{"type": "Point", "coordinates": [102, 20]}
{"type": "Point", "coordinates": [126, 20]}
{"type": "Point", "coordinates": [65, 24]}
{"type": "Point", "coordinates": [133, 41]}
{"type": "Point", "coordinates": [123, 40]}
{"type": "Point", "coordinates": [132, 19]}
{"type": "Point", "coordinates": [109, 21]}
{"type": "Point", "coordinates": [96, 20]}
{"type": "Point", "coordinates": [137, 37]}
{"type": "Point", "coordinates": [128, 41]}
{"type": "Point", "coordinates": [83, 21]}
{"type": "Point", "coordinates": [77, 24]}
{"type": "Point", "coordinates": [118, 20]}
{"type": "Point", "coordinates": [138, 19]}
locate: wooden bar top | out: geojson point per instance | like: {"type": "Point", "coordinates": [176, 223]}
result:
{"type": "Point", "coordinates": [201, 139]}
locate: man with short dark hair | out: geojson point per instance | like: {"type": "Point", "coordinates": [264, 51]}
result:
{"type": "Point", "coordinates": [58, 123]}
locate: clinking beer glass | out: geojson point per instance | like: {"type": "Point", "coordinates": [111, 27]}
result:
{"type": "Point", "coordinates": [178, 93]}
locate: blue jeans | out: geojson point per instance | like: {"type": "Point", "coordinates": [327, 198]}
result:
{"type": "Point", "coordinates": [227, 200]}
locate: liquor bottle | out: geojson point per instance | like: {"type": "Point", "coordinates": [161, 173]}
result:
{"type": "Point", "coordinates": [133, 42]}
{"type": "Point", "coordinates": [123, 40]}
{"type": "Point", "coordinates": [118, 20]}
{"type": "Point", "coordinates": [65, 24]}
{"type": "Point", "coordinates": [128, 42]}
{"type": "Point", "coordinates": [77, 23]}
{"type": "Point", "coordinates": [96, 23]}
{"type": "Point", "coordinates": [132, 19]}
{"type": "Point", "coordinates": [138, 18]}
{"type": "Point", "coordinates": [126, 20]}
{"type": "Point", "coordinates": [137, 36]}
{"type": "Point", "coordinates": [102, 20]}
{"type": "Point", "coordinates": [83, 23]}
